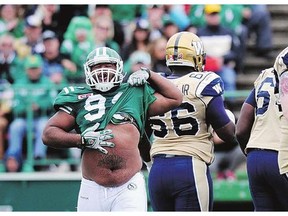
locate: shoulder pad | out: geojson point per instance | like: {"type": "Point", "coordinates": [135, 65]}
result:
{"type": "Point", "coordinates": [71, 94]}
{"type": "Point", "coordinates": [211, 85]}
{"type": "Point", "coordinates": [264, 74]}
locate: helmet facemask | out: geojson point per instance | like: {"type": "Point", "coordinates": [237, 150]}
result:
{"type": "Point", "coordinates": [103, 78]}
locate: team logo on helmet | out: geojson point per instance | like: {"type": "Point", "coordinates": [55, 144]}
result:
{"type": "Point", "coordinates": [185, 49]}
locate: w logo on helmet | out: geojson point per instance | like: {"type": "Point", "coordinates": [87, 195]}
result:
{"type": "Point", "coordinates": [198, 47]}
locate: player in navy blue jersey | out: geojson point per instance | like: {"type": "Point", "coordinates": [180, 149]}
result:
{"type": "Point", "coordinates": [260, 134]}
{"type": "Point", "coordinates": [182, 148]}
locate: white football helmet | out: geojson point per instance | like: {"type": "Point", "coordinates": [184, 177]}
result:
{"type": "Point", "coordinates": [281, 62]}
{"type": "Point", "coordinates": [103, 79]}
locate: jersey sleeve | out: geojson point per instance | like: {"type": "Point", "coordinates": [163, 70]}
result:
{"type": "Point", "coordinates": [216, 114]}
{"type": "Point", "coordinates": [149, 98]}
{"type": "Point", "coordinates": [68, 97]}
{"type": "Point", "coordinates": [259, 79]}
{"type": "Point", "coordinates": [149, 94]}
{"type": "Point", "coordinates": [251, 98]}
{"type": "Point", "coordinates": [211, 85]}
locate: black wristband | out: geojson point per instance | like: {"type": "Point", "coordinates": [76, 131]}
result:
{"type": "Point", "coordinates": [82, 144]}
{"type": "Point", "coordinates": [147, 70]}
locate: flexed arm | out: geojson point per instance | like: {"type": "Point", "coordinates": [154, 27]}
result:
{"type": "Point", "coordinates": [167, 94]}
{"type": "Point", "coordinates": [57, 134]}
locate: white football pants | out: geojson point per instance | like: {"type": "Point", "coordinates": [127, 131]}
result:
{"type": "Point", "coordinates": [130, 196]}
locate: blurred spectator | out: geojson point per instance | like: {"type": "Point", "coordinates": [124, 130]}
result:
{"type": "Point", "coordinates": [221, 58]}
{"type": "Point", "coordinates": [157, 50]}
{"type": "Point", "coordinates": [68, 12]}
{"type": "Point", "coordinates": [55, 17]}
{"type": "Point", "coordinates": [29, 9]}
{"type": "Point", "coordinates": [197, 15]}
{"type": "Point", "coordinates": [245, 20]}
{"type": "Point", "coordinates": [6, 95]}
{"type": "Point", "coordinates": [177, 14]}
{"type": "Point", "coordinates": [39, 99]}
{"type": "Point", "coordinates": [169, 29]}
{"type": "Point", "coordinates": [126, 13]}
{"type": "Point", "coordinates": [140, 39]}
{"type": "Point", "coordinates": [258, 20]}
{"type": "Point", "coordinates": [53, 60]}
{"type": "Point", "coordinates": [103, 33]}
{"type": "Point", "coordinates": [50, 16]}
{"type": "Point", "coordinates": [231, 17]}
{"type": "Point", "coordinates": [10, 65]}
{"type": "Point", "coordinates": [104, 10]}
{"type": "Point", "coordinates": [10, 21]}
{"type": "Point", "coordinates": [126, 16]}
{"type": "Point", "coordinates": [137, 60]}
{"type": "Point", "coordinates": [31, 42]}
{"type": "Point", "coordinates": [191, 28]}
{"type": "Point", "coordinates": [155, 14]}
{"type": "Point", "coordinates": [78, 42]}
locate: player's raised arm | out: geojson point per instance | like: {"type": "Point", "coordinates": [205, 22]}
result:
{"type": "Point", "coordinates": [167, 94]}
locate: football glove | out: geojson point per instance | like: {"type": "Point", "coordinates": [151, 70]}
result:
{"type": "Point", "coordinates": [139, 77]}
{"type": "Point", "coordinates": [96, 139]}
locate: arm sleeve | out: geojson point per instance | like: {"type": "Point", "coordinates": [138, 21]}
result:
{"type": "Point", "coordinates": [251, 98]}
{"type": "Point", "coordinates": [216, 114]}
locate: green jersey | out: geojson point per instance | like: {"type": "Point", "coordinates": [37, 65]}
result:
{"type": "Point", "coordinates": [90, 107]}
{"type": "Point", "coordinates": [28, 93]}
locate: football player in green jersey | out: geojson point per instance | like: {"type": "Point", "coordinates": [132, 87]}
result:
{"type": "Point", "coordinates": [109, 113]}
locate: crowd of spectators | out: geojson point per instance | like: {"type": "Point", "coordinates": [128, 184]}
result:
{"type": "Point", "coordinates": [59, 37]}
